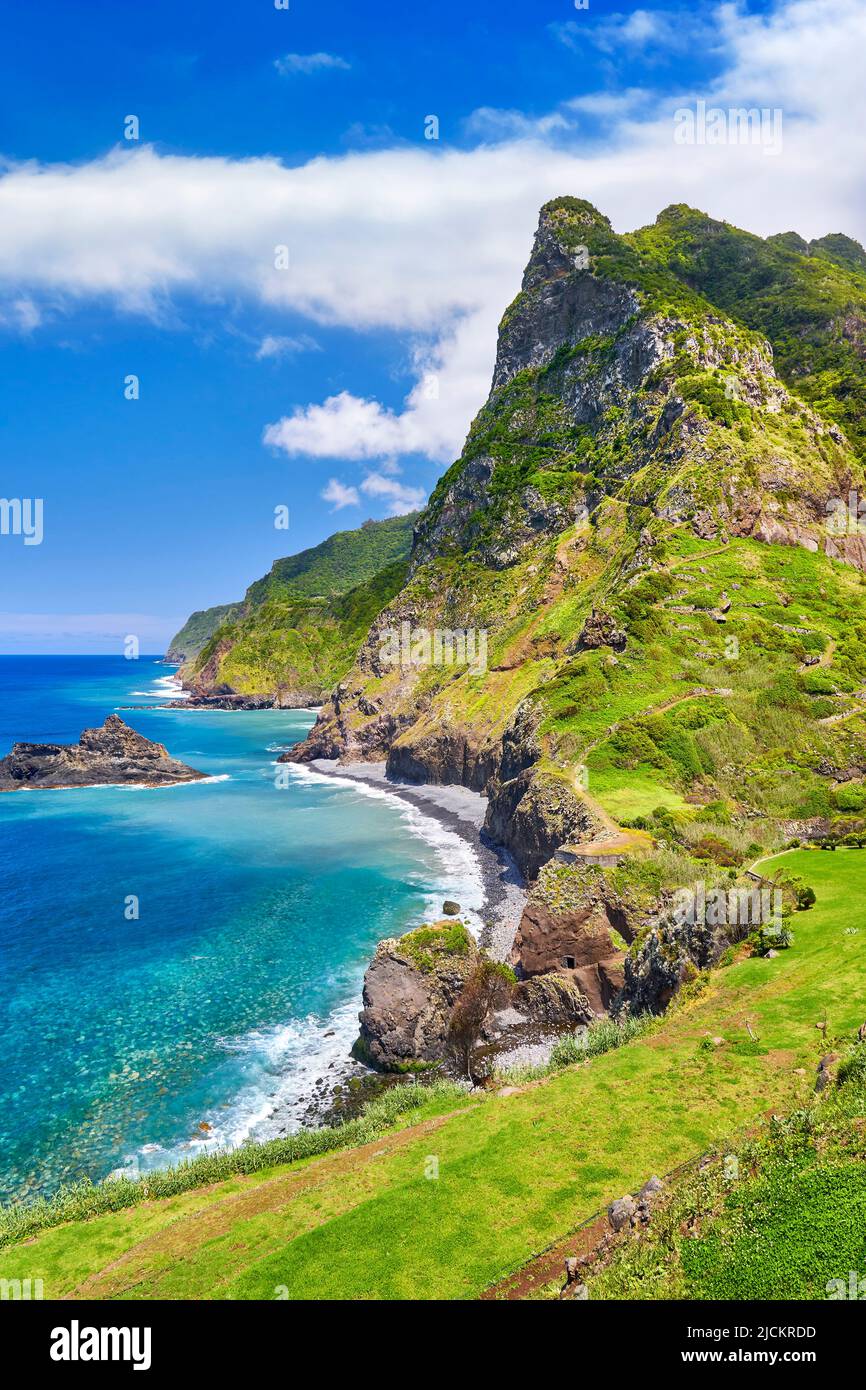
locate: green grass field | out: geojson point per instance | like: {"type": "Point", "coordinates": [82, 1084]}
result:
{"type": "Point", "coordinates": [514, 1173]}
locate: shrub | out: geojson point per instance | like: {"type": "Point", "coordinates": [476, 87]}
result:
{"type": "Point", "coordinates": [770, 938]}
{"type": "Point", "coordinates": [850, 797]}
{"type": "Point", "coordinates": [426, 945]}
{"type": "Point", "coordinates": [488, 980]}
{"type": "Point", "coordinates": [852, 1069]}
{"type": "Point", "coordinates": [719, 851]}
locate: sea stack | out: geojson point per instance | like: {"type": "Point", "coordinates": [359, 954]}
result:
{"type": "Point", "coordinates": [114, 754]}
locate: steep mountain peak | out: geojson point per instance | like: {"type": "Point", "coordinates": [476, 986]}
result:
{"type": "Point", "coordinates": [568, 214]}
{"type": "Point", "coordinates": [789, 241]}
{"type": "Point", "coordinates": [677, 212]}
{"type": "Point", "coordinates": [635, 425]}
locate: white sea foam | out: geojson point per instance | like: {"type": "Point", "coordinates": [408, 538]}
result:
{"type": "Point", "coordinates": [462, 879]}
{"type": "Point", "coordinates": [291, 1059]}
{"type": "Point", "coordinates": [165, 688]}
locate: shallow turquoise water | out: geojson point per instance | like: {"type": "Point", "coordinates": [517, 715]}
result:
{"type": "Point", "coordinates": [258, 908]}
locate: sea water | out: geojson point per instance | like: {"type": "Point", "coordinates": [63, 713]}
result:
{"type": "Point", "coordinates": [180, 966]}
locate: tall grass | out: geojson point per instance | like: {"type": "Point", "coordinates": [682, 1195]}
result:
{"type": "Point", "coordinates": [81, 1200]}
{"type": "Point", "coordinates": [602, 1035]}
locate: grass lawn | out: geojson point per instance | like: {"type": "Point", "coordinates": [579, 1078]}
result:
{"type": "Point", "coordinates": [628, 792]}
{"type": "Point", "coordinates": [515, 1172]}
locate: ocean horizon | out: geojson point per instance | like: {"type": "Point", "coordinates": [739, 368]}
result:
{"type": "Point", "coordinates": [181, 967]}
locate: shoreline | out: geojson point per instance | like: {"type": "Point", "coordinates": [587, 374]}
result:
{"type": "Point", "coordinates": [462, 811]}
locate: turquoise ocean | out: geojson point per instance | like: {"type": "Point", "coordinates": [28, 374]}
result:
{"type": "Point", "coordinates": [233, 986]}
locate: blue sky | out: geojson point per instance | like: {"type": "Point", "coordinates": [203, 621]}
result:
{"type": "Point", "coordinates": [341, 385]}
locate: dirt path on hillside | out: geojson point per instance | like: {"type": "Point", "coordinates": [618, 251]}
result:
{"type": "Point", "coordinates": [722, 691]}
{"type": "Point", "coordinates": [184, 1236]}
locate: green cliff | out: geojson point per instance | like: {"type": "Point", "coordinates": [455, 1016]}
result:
{"type": "Point", "coordinates": [649, 533]}
{"type": "Point", "coordinates": [298, 629]}
{"type": "Point", "coordinates": [197, 631]}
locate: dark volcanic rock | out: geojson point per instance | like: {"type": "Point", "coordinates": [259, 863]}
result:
{"type": "Point", "coordinates": [227, 701]}
{"type": "Point", "coordinates": [669, 955]}
{"type": "Point", "coordinates": [534, 814]}
{"type": "Point", "coordinates": [600, 630]}
{"type": "Point", "coordinates": [554, 1002]}
{"type": "Point", "coordinates": [576, 945]}
{"type": "Point", "coordinates": [115, 753]}
{"type": "Point", "coordinates": [408, 1002]}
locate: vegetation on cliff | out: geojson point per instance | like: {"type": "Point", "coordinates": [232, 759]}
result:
{"type": "Point", "coordinates": [298, 629]}
{"type": "Point", "coordinates": [639, 525]}
{"type": "Point", "coordinates": [197, 631]}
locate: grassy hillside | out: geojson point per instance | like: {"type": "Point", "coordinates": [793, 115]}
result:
{"type": "Point", "coordinates": [657, 457]}
{"type": "Point", "coordinates": [786, 1222]}
{"type": "Point", "coordinates": [336, 565]}
{"type": "Point", "coordinates": [197, 631]}
{"type": "Point", "coordinates": [515, 1172]}
{"type": "Point", "coordinates": [299, 628]}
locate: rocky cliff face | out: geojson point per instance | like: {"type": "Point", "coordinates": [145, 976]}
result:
{"type": "Point", "coordinates": [668, 956]}
{"type": "Point", "coordinates": [631, 421]}
{"type": "Point", "coordinates": [413, 984]}
{"type": "Point", "coordinates": [113, 754]}
{"type": "Point", "coordinates": [410, 990]}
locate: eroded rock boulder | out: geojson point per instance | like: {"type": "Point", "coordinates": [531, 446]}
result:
{"type": "Point", "coordinates": [410, 989]}
{"type": "Point", "coordinates": [666, 957]}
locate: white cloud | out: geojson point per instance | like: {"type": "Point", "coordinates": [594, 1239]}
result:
{"type": "Point", "coordinates": [306, 63]}
{"type": "Point", "coordinates": [490, 123]}
{"type": "Point", "coordinates": [20, 315]}
{"type": "Point", "coordinates": [344, 427]}
{"type": "Point", "coordinates": [400, 497]}
{"type": "Point", "coordinates": [438, 253]}
{"type": "Point", "coordinates": [340, 495]}
{"type": "Point", "coordinates": [274, 345]}
{"type": "Point", "coordinates": [642, 31]}
{"type": "Point", "coordinates": [613, 103]}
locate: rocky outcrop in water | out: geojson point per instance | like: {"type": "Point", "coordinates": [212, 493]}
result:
{"type": "Point", "coordinates": [102, 757]}
{"type": "Point", "coordinates": [228, 700]}
{"type": "Point", "coordinates": [410, 989]}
